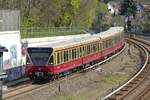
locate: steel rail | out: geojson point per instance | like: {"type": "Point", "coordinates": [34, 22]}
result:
{"type": "Point", "coordinates": [121, 87]}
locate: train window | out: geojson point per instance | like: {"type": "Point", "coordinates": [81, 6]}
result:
{"type": "Point", "coordinates": [58, 58]}
{"type": "Point", "coordinates": [91, 48]}
{"type": "Point", "coordinates": [107, 43]}
{"type": "Point", "coordinates": [62, 56]}
{"type": "Point", "coordinates": [110, 42]}
{"type": "Point", "coordinates": [103, 44]}
{"type": "Point", "coordinates": [100, 46]}
{"type": "Point", "coordinates": [113, 40]}
{"type": "Point", "coordinates": [97, 47]}
{"type": "Point", "coordinates": [55, 58]}
{"type": "Point", "coordinates": [94, 47]}
{"type": "Point", "coordinates": [88, 49]}
{"type": "Point", "coordinates": [77, 52]}
{"type": "Point", "coordinates": [84, 50]}
{"type": "Point", "coordinates": [117, 38]}
{"type": "Point", "coordinates": [70, 54]}
{"type": "Point", "coordinates": [80, 51]}
{"type": "Point", "coordinates": [65, 55]}
{"type": "Point", "coordinates": [74, 53]}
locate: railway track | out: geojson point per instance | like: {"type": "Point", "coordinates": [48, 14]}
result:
{"type": "Point", "coordinates": [139, 84]}
{"type": "Point", "coordinates": [29, 87]}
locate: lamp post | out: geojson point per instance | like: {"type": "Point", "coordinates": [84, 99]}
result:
{"type": "Point", "coordinates": [2, 74]}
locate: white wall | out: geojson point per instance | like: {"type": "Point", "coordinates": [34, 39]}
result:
{"type": "Point", "coordinates": [11, 40]}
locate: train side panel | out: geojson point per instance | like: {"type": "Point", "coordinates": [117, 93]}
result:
{"type": "Point", "coordinates": [87, 59]}
{"type": "Point", "coordinates": [67, 65]}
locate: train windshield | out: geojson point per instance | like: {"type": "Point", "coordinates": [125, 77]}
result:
{"type": "Point", "coordinates": [40, 56]}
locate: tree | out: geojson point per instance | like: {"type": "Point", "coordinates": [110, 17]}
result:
{"type": "Point", "coordinates": [69, 10]}
{"type": "Point", "coordinates": [128, 8]}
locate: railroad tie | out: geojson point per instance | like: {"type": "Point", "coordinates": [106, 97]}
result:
{"type": "Point", "coordinates": [111, 98]}
{"type": "Point", "coordinates": [128, 86]}
{"type": "Point", "coordinates": [118, 94]}
{"type": "Point", "coordinates": [132, 82]}
{"type": "Point", "coordinates": [124, 89]}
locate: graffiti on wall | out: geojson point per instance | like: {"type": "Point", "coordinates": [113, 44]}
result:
{"type": "Point", "coordinates": [24, 49]}
{"type": "Point", "coordinates": [13, 55]}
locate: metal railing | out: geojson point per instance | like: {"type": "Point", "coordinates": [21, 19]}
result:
{"type": "Point", "coordinates": [35, 32]}
{"type": "Point", "coordinates": [9, 28]}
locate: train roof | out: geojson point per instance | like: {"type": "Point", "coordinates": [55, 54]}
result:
{"type": "Point", "coordinates": [83, 38]}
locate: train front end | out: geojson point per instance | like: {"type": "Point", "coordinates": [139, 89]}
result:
{"type": "Point", "coordinates": [39, 63]}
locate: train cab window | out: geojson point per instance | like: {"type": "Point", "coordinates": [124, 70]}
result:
{"type": "Point", "coordinates": [39, 56]}
{"type": "Point", "coordinates": [51, 61]}
{"type": "Point", "coordinates": [65, 55]}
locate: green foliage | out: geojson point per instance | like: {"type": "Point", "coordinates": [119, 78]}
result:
{"type": "Point", "coordinates": [103, 18]}
{"type": "Point", "coordinates": [74, 5]}
{"type": "Point", "coordinates": [57, 13]}
{"type": "Point", "coordinates": [128, 8]}
{"type": "Point", "coordinates": [70, 9]}
{"type": "Point", "coordinates": [27, 22]}
{"type": "Point", "coordinates": [86, 14]}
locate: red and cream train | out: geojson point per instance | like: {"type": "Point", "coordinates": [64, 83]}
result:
{"type": "Point", "coordinates": [59, 58]}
